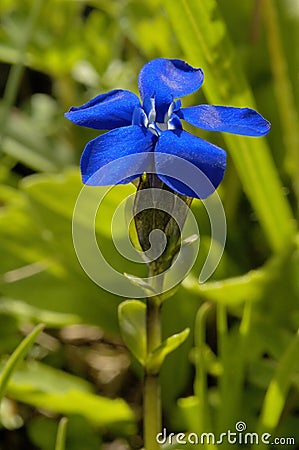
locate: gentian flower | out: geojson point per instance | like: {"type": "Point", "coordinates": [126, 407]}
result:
{"type": "Point", "coordinates": [155, 126]}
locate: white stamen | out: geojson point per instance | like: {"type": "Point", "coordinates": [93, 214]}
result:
{"type": "Point", "coordinates": [152, 113]}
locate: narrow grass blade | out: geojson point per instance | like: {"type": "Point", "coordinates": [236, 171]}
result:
{"type": "Point", "coordinates": [278, 389]}
{"type": "Point", "coordinates": [16, 71]}
{"type": "Point", "coordinates": [200, 383]}
{"type": "Point", "coordinates": [16, 357]}
{"type": "Point", "coordinates": [286, 102]}
{"type": "Point", "coordinates": [61, 434]}
{"type": "Point", "coordinates": [204, 39]}
{"type": "Point", "coordinates": [232, 351]}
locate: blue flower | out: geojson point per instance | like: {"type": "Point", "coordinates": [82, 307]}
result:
{"type": "Point", "coordinates": [155, 126]}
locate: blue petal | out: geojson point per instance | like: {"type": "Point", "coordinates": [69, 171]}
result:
{"type": "Point", "coordinates": [166, 79]}
{"type": "Point", "coordinates": [106, 111]}
{"type": "Point", "coordinates": [117, 147]}
{"type": "Point", "coordinates": [243, 121]}
{"type": "Point", "coordinates": [198, 179]}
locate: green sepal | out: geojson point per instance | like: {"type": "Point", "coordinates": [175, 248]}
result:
{"type": "Point", "coordinates": [147, 288]}
{"type": "Point", "coordinates": [156, 358]}
{"type": "Point", "coordinates": [132, 322]}
{"type": "Point", "coordinates": [149, 219]}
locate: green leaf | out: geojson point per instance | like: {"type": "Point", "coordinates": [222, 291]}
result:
{"type": "Point", "coordinates": [61, 434]}
{"type": "Point", "coordinates": [21, 152]}
{"type": "Point", "coordinates": [23, 311]}
{"type": "Point", "coordinates": [36, 233]}
{"type": "Point", "coordinates": [59, 392]}
{"type": "Point", "coordinates": [204, 39]}
{"type": "Point", "coordinates": [132, 322]}
{"type": "Point", "coordinates": [156, 358]}
{"type": "Point", "coordinates": [100, 411]}
{"type": "Point", "coordinates": [244, 288]}
{"type": "Point", "coordinates": [232, 291]}
{"type": "Point", "coordinates": [16, 357]}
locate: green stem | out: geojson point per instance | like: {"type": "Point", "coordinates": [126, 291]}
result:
{"type": "Point", "coordinates": [224, 382]}
{"type": "Point", "coordinates": [153, 323]}
{"type": "Point", "coordinates": [201, 374]}
{"type": "Point", "coordinates": [152, 392]}
{"type": "Point", "coordinates": [234, 360]}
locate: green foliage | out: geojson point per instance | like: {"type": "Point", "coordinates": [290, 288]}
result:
{"type": "Point", "coordinates": [156, 357]}
{"type": "Point", "coordinates": [278, 388]}
{"type": "Point", "coordinates": [132, 324]}
{"type": "Point", "coordinates": [16, 357]}
{"type": "Point", "coordinates": [44, 387]}
{"type": "Point", "coordinates": [80, 434]}
{"type": "Point", "coordinates": [61, 434]}
{"type": "Point", "coordinates": [243, 361]}
{"type": "Point", "coordinates": [206, 39]}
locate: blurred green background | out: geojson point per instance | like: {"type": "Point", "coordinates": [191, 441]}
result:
{"type": "Point", "coordinates": [241, 361]}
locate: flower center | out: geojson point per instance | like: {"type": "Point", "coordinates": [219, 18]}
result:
{"type": "Point", "coordinates": [147, 115]}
